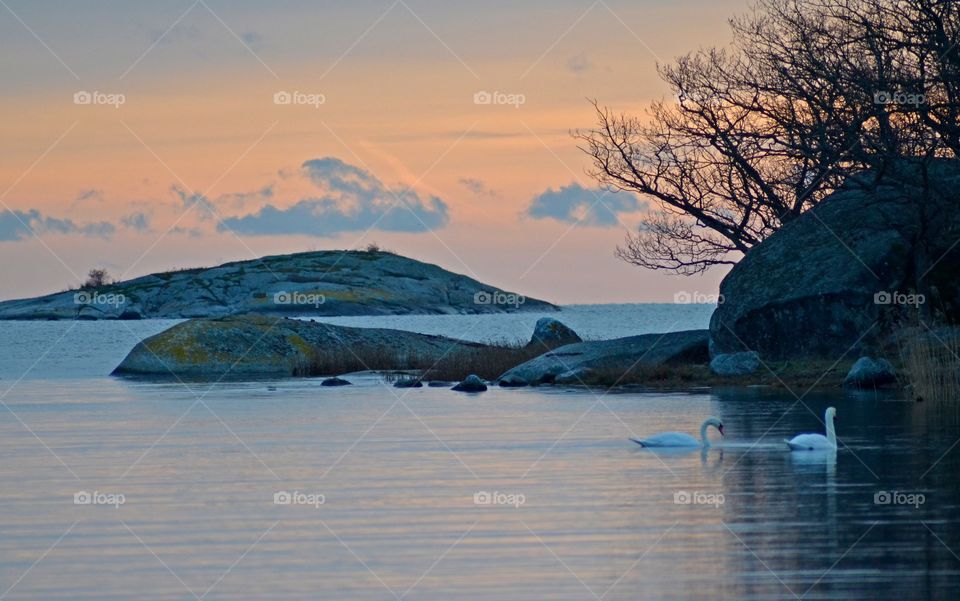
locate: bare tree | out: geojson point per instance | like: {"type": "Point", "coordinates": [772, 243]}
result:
{"type": "Point", "coordinates": [808, 94]}
{"type": "Point", "coordinates": [97, 278]}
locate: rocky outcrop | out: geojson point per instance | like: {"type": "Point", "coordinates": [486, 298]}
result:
{"type": "Point", "coordinates": [833, 280]}
{"type": "Point", "coordinates": [253, 345]}
{"type": "Point", "coordinates": [313, 283]}
{"type": "Point", "coordinates": [619, 354]}
{"type": "Point", "coordinates": [735, 364]}
{"type": "Point", "coordinates": [868, 372]}
{"type": "Point", "coordinates": [550, 333]}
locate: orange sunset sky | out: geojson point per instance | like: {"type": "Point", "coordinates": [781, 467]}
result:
{"type": "Point", "coordinates": [185, 156]}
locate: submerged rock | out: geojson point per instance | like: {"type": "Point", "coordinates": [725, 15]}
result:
{"type": "Point", "coordinates": [735, 364]}
{"type": "Point", "coordinates": [868, 372]}
{"type": "Point", "coordinates": [336, 382]}
{"type": "Point", "coordinates": [611, 355]}
{"type": "Point", "coordinates": [471, 383]}
{"type": "Point", "coordinates": [831, 281]}
{"type": "Point", "coordinates": [550, 333]}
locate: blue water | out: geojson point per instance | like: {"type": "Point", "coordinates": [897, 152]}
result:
{"type": "Point", "coordinates": [579, 511]}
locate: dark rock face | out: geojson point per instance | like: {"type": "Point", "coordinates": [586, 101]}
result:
{"type": "Point", "coordinates": [835, 279]}
{"type": "Point", "coordinates": [603, 355]}
{"type": "Point", "coordinates": [336, 382]}
{"type": "Point", "coordinates": [312, 283]}
{"type": "Point", "coordinates": [471, 383]}
{"type": "Point", "coordinates": [550, 333]}
{"type": "Point", "coordinates": [870, 373]}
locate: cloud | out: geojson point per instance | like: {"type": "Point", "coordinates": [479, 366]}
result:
{"type": "Point", "coordinates": [137, 221]}
{"type": "Point", "coordinates": [91, 194]}
{"type": "Point", "coordinates": [579, 63]}
{"type": "Point", "coordinates": [206, 208]}
{"type": "Point", "coordinates": [582, 206]}
{"type": "Point", "coordinates": [349, 199]}
{"type": "Point", "coordinates": [477, 186]}
{"type": "Point", "coordinates": [17, 225]}
{"type": "Point", "coordinates": [239, 199]}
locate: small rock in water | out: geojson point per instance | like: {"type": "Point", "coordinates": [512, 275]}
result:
{"type": "Point", "coordinates": [408, 383]}
{"type": "Point", "coordinates": [868, 372]}
{"type": "Point", "coordinates": [471, 383]}
{"type": "Point", "coordinates": [336, 382]}
{"type": "Point", "coordinates": [439, 384]}
{"type": "Point", "coordinates": [735, 364]}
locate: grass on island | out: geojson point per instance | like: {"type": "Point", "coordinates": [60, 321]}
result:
{"type": "Point", "coordinates": [798, 376]}
{"type": "Point", "coordinates": [931, 364]}
{"type": "Point", "coordinates": [489, 362]}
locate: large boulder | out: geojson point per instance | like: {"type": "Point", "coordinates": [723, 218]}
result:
{"type": "Point", "coordinates": [868, 372]}
{"type": "Point", "coordinates": [550, 333]}
{"type": "Point", "coordinates": [735, 364]}
{"type": "Point", "coordinates": [254, 345]}
{"type": "Point", "coordinates": [619, 354]}
{"type": "Point", "coordinates": [838, 277]}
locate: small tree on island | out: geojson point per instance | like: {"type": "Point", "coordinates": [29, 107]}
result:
{"type": "Point", "coordinates": [97, 278]}
{"type": "Point", "coordinates": [808, 94]}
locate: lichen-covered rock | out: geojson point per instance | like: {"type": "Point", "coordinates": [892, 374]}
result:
{"type": "Point", "coordinates": [254, 345]}
{"type": "Point", "coordinates": [312, 283]}
{"type": "Point", "coordinates": [472, 383]}
{"type": "Point", "coordinates": [832, 280]}
{"type": "Point", "coordinates": [611, 355]}
{"type": "Point", "coordinates": [550, 333]}
{"type": "Point", "coordinates": [868, 372]}
{"type": "Point", "coordinates": [735, 364]}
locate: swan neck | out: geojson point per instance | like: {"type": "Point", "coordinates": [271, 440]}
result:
{"type": "Point", "coordinates": [703, 433]}
{"type": "Point", "coordinates": [831, 433]}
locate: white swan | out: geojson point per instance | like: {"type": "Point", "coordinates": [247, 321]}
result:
{"type": "Point", "coordinates": [679, 439]}
{"type": "Point", "coordinates": [817, 442]}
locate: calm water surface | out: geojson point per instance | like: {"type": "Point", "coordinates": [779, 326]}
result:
{"type": "Point", "coordinates": [578, 511]}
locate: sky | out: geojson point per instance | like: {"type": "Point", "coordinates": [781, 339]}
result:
{"type": "Point", "coordinates": [144, 136]}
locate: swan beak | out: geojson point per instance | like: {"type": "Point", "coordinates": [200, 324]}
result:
{"type": "Point", "coordinates": [720, 428]}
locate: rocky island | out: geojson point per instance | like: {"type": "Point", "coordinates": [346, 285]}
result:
{"type": "Point", "coordinates": [309, 283]}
